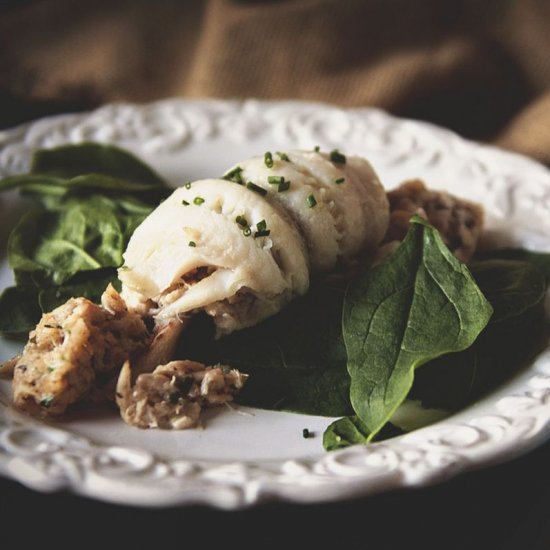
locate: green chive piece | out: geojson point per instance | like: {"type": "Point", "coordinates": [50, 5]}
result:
{"type": "Point", "coordinates": [283, 186]}
{"type": "Point", "coordinates": [242, 221]}
{"type": "Point", "coordinates": [339, 181]}
{"type": "Point", "coordinates": [280, 181]}
{"type": "Point", "coordinates": [283, 156]}
{"type": "Point", "coordinates": [184, 202]}
{"type": "Point", "coordinates": [256, 188]}
{"type": "Point", "coordinates": [235, 175]}
{"type": "Point", "coordinates": [336, 156]}
{"type": "Point", "coordinates": [192, 244]}
{"type": "Point", "coordinates": [311, 201]}
{"type": "Point", "coordinates": [198, 201]}
{"type": "Point", "coordinates": [262, 230]}
{"type": "Point", "coordinates": [247, 232]}
{"type": "Point", "coordinates": [188, 185]}
{"type": "Point", "coordinates": [268, 159]}
{"type": "Point", "coordinates": [317, 149]}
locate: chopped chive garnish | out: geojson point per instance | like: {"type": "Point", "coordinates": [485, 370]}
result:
{"type": "Point", "coordinates": [339, 181]}
{"type": "Point", "coordinates": [242, 221]}
{"type": "Point", "coordinates": [280, 181]}
{"type": "Point", "coordinates": [283, 156]}
{"type": "Point", "coordinates": [184, 202]}
{"type": "Point", "coordinates": [235, 175]}
{"type": "Point", "coordinates": [268, 159]}
{"type": "Point", "coordinates": [256, 188]}
{"type": "Point", "coordinates": [336, 156]}
{"type": "Point", "coordinates": [311, 201]}
{"type": "Point", "coordinates": [247, 231]}
{"type": "Point", "coordinates": [262, 230]}
{"type": "Point", "coordinates": [306, 433]}
{"type": "Point", "coordinates": [188, 185]}
{"type": "Point", "coordinates": [198, 201]}
{"type": "Point", "coordinates": [316, 148]}
{"type": "Point", "coordinates": [192, 244]}
{"type": "Point", "coordinates": [283, 186]}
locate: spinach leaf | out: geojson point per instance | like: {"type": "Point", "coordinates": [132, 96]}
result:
{"type": "Point", "coordinates": [351, 431]}
{"type": "Point", "coordinates": [54, 245]}
{"type": "Point", "coordinates": [20, 312]}
{"type": "Point", "coordinates": [86, 169]}
{"type": "Point", "coordinates": [515, 333]}
{"type": "Point", "coordinates": [511, 286]}
{"type": "Point", "coordinates": [92, 197]}
{"type": "Point", "coordinates": [419, 304]}
{"type": "Point", "coordinates": [44, 187]}
{"type": "Point", "coordinates": [345, 432]}
{"type": "Point", "coordinates": [88, 285]}
{"type": "Point", "coordinates": [539, 260]}
{"type": "Point", "coordinates": [296, 359]}
{"type": "Point", "coordinates": [22, 306]}
{"type": "Point", "coordinates": [68, 161]}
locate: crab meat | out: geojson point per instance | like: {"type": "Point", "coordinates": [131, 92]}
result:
{"type": "Point", "coordinates": [459, 222]}
{"type": "Point", "coordinates": [76, 351]}
{"type": "Point", "coordinates": [173, 395]}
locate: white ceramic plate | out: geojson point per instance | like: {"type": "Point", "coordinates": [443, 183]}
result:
{"type": "Point", "coordinates": [246, 456]}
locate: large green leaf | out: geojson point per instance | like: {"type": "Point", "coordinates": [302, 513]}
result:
{"type": "Point", "coordinates": [418, 305]}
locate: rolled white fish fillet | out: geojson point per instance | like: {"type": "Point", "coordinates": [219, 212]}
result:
{"type": "Point", "coordinates": [351, 213]}
{"type": "Point", "coordinates": [241, 251]}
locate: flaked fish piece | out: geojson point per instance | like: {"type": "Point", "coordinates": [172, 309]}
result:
{"type": "Point", "coordinates": [164, 341]}
{"type": "Point", "coordinates": [74, 352]}
{"type": "Point", "coordinates": [173, 395]}
{"type": "Point", "coordinates": [460, 222]}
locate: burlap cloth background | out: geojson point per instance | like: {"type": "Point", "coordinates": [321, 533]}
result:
{"type": "Point", "coordinates": [480, 67]}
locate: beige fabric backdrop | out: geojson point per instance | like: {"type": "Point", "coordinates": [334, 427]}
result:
{"type": "Point", "coordinates": [480, 67]}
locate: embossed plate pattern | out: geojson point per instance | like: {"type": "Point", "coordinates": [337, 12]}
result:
{"type": "Point", "coordinates": [247, 456]}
